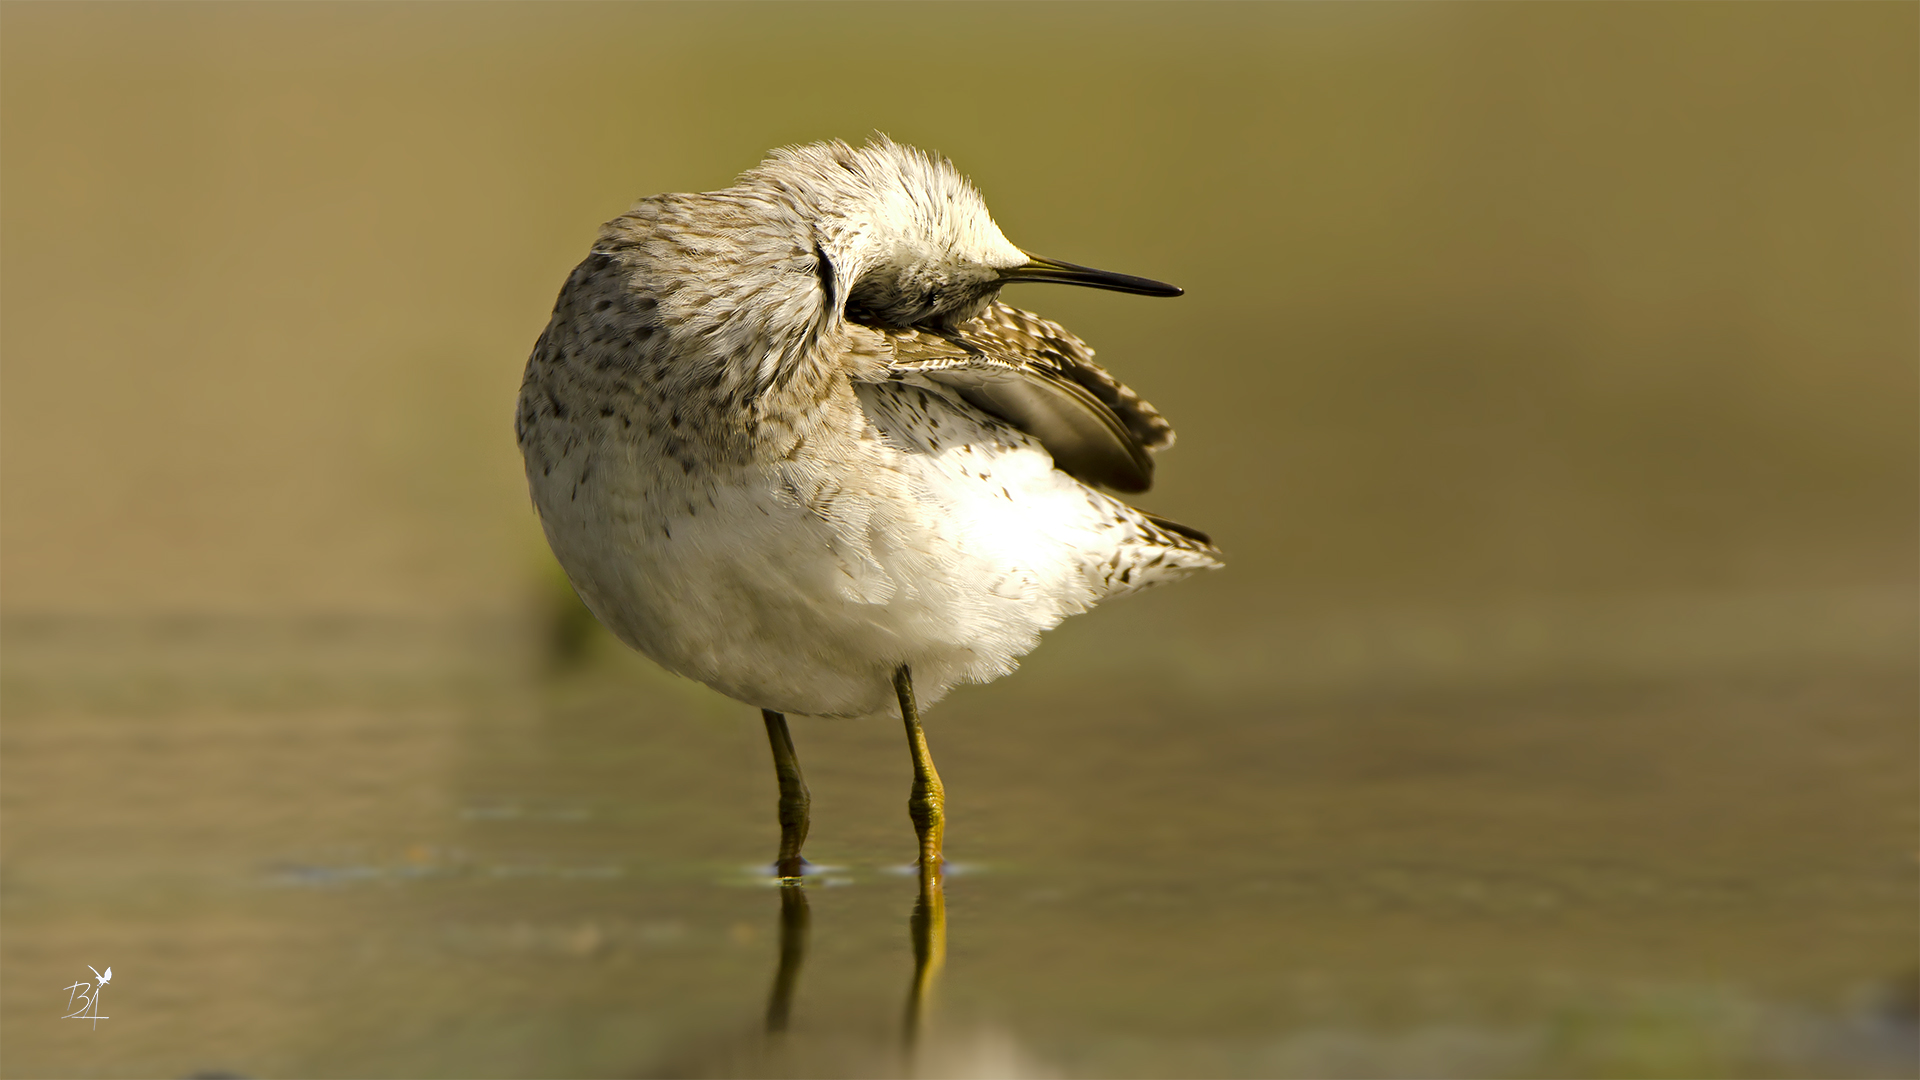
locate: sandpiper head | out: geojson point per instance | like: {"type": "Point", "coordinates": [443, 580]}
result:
{"type": "Point", "coordinates": [907, 240]}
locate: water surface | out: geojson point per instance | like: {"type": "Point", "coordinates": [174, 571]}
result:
{"type": "Point", "coordinates": [477, 867]}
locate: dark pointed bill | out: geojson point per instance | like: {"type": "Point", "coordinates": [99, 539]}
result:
{"type": "Point", "coordinates": [1066, 273]}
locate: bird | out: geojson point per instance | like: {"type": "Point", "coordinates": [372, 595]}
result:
{"type": "Point", "coordinates": [786, 440]}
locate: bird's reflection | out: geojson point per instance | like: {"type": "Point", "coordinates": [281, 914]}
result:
{"type": "Point", "coordinates": [928, 928]}
{"type": "Point", "coordinates": [795, 920]}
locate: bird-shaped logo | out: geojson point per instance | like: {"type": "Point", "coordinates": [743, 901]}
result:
{"type": "Point", "coordinates": [89, 999]}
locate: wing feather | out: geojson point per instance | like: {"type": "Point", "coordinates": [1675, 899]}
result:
{"type": "Point", "coordinates": [1040, 378]}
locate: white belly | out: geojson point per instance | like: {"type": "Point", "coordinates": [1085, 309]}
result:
{"type": "Point", "coordinates": [935, 538]}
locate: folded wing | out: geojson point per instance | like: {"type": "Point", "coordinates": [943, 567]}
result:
{"type": "Point", "coordinates": [1041, 379]}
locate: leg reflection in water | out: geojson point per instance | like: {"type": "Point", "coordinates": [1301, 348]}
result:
{"type": "Point", "coordinates": [795, 918]}
{"type": "Point", "coordinates": [928, 928]}
{"type": "Point", "coordinates": [929, 948]}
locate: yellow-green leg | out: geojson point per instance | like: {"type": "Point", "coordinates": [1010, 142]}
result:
{"type": "Point", "coordinates": [794, 799]}
{"type": "Point", "coordinates": [927, 805]}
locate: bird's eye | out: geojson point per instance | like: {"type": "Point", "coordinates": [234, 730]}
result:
{"type": "Point", "coordinates": [823, 267]}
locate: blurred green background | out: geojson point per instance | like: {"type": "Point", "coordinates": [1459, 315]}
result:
{"type": "Point", "coordinates": [1547, 372]}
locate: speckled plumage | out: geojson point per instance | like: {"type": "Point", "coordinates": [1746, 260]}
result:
{"type": "Point", "coordinates": [784, 438]}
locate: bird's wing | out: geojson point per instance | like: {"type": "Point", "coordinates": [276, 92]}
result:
{"type": "Point", "coordinates": [1041, 379]}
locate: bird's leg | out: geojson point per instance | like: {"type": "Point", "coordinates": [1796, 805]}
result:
{"type": "Point", "coordinates": [927, 806]}
{"type": "Point", "coordinates": [794, 800]}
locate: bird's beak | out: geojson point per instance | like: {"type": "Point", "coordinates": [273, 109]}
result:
{"type": "Point", "coordinates": [1066, 273]}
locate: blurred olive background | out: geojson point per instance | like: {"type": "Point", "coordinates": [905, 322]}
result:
{"type": "Point", "coordinates": [1547, 372]}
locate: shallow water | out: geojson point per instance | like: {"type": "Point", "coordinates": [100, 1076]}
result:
{"type": "Point", "coordinates": [476, 867]}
